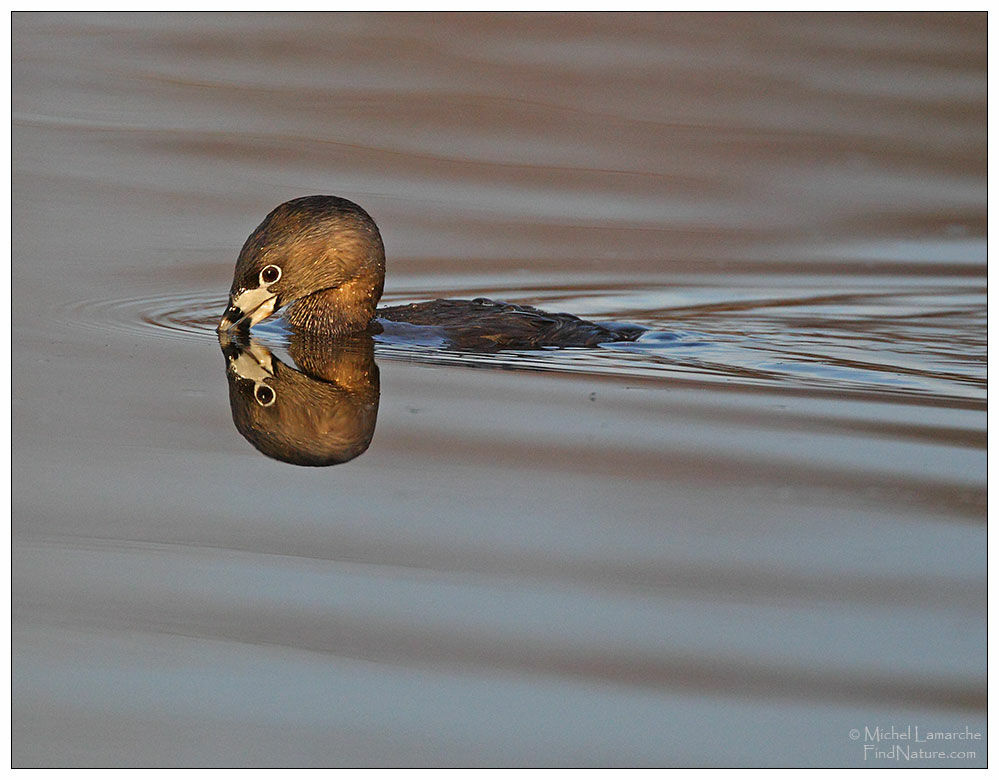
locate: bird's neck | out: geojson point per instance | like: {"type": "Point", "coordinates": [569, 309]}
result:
{"type": "Point", "coordinates": [336, 311]}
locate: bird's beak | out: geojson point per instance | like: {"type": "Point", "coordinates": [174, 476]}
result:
{"type": "Point", "coordinates": [249, 307]}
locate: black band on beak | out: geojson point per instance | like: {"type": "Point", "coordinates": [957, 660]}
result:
{"type": "Point", "coordinates": [231, 316]}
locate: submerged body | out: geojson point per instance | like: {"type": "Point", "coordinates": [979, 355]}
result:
{"type": "Point", "coordinates": [323, 258]}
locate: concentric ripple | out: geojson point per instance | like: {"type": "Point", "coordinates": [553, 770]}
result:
{"type": "Point", "coordinates": [172, 316]}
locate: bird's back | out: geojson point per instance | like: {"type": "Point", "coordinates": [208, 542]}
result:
{"type": "Point", "coordinates": [485, 325]}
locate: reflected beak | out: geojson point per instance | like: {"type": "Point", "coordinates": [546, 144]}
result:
{"type": "Point", "coordinates": [255, 362]}
{"type": "Point", "coordinates": [247, 308]}
{"type": "Point", "coordinates": [231, 343]}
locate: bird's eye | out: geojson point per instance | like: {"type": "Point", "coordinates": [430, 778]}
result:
{"type": "Point", "coordinates": [265, 396]}
{"type": "Point", "coordinates": [270, 274]}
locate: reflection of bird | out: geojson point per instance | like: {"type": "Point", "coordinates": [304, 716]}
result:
{"type": "Point", "coordinates": [323, 257]}
{"type": "Point", "coordinates": [318, 416]}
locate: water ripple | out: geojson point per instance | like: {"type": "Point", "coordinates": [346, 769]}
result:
{"type": "Point", "coordinates": [835, 343]}
{"type": "Point", "coordinates": [182, 315]}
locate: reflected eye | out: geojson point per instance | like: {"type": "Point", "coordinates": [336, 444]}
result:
{"type": "Point", "coordinates": [265, 396]}
{"type": "Point", "coordinates": [270, 274]}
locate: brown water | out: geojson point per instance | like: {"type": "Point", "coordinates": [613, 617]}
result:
{"type": "Point", "coordinates": [730, 543]}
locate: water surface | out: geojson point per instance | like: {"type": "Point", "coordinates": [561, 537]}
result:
{"type": "Point", "coordinates": [730, 543]}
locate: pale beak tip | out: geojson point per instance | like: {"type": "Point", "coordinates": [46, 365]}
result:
{"type": "Point", "coordinates": [231, 316]}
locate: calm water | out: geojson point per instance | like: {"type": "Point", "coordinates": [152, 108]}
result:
{"type": "Point", "coordinates": [759, 527]}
